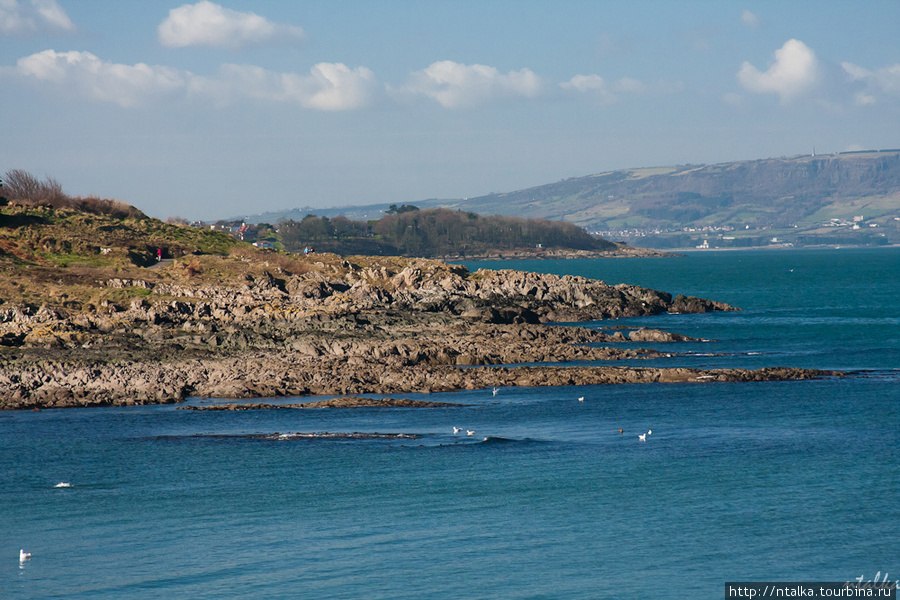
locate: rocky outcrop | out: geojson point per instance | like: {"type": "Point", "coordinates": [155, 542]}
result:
{"type": "Point", "coordinates": [656, 335]}
{"type": "Point", "coordinates": [691, 304]}
{"type": "Point", "coordinates": [340, 328]}
{"type": "Point", "coordinates": [126, 384]}
{"type": "Point", "coordinates": [345, 402]}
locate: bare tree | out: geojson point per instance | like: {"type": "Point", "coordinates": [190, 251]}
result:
{"type": "Point", "coordinates": [22, 185]}
{"type": "Point", "coordinates": [24, 188]}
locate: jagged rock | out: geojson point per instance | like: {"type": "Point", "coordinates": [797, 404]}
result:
{"type": "Point", "coordinates": [337, 329]}
{"type": "Point", "coordinates": [656, 335]}
{"type": "Point", "coordinates": [691, 304]}
{"type": "Point", "coordinates": [346, 402]}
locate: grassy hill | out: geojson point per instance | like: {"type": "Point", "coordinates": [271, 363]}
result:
{"type": "Point", "coordinates": [62, 255]}
{"type": "Point", "coordinates": [46, 236]}
{"type": "Point", "coordinates": [801, 199]}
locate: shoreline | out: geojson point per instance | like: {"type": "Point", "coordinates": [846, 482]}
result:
{"type": "Point", "coordinates": [243, 327]}
{"type": "Point", "coordinates": [784, 248]}
{"type": "Point", "coordinates": [145, 383]}
{"type": "Point", "coordinates": [622, 253]}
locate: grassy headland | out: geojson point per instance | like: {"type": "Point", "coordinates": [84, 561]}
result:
{"type": "Point", "coordinates": [89, 316]}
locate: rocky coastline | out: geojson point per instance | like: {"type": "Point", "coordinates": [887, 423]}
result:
{"type": "Point", "coordinates": [241, 327]}
{"type": "Point", "coordinates": [345, 402]}
{"type": "Point", "coordinates": [621, 250]}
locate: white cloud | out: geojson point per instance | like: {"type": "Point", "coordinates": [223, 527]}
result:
{"type": "Point", "coordinates": [455, 85]}
{"type": "Point", "coordinates": [875, 84]}
{"type": "Point", "coordinates": [611, 92]}
{"type": "Point", "coordinates": [37, 16]}
{"type": "Point", "coordinates": [208, 24]}
{"type": "Point", "coordinates": [329, 86]}
{"type": "Point", "coordinates": [590, 84]}
{"type": "Point", "coordinates": [91, 77]}
{"type": "Point", "coordinates": [794, 72]}
{"type": "Point", "coordinates": [750, 19]}
{"type": "Point", "coordinates": [333, 86]}
{"type": "Point", "coordinates": [585, 83]}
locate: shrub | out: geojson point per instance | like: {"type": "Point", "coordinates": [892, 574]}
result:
{"type": "Point", "coordinates": [24, 188]}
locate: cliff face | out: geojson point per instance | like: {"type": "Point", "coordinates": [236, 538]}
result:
{"type": "Point", "coordinates": [331, 326]}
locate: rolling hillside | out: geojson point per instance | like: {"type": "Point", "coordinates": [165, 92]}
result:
{"type": "Point", "coordinates": [848, 198]}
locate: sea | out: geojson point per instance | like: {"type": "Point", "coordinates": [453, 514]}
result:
{"type": "Point", "coordinates": [738, 482]}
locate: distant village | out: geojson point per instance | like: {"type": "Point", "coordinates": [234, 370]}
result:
{"type": "Point", "coordinates": [856, 223]}
{"type": "Point", "coordinates": [751, 236]}
{"type": "Point", "coordinates": [262, 235]}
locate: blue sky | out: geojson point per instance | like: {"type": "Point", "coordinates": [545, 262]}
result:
{"type": "Point", "coordinates": [215, 109]}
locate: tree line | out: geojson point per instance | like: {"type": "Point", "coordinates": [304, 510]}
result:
{"type": "Point", "coordinates": [433, 232]}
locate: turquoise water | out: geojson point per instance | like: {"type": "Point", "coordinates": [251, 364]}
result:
{"type": "Point", "coordinates": [787, 481]}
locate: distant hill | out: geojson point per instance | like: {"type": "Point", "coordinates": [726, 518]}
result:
{"type": "Point", "coordinates": [851, 197]}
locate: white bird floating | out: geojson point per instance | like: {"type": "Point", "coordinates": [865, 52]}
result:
{"type": "Point", "coordinates": [456, 430]}
{"type": "Point", "coordinates": [496, 391]}
{"type": "Point", "coordinates": [643, 436]}
{"type": "Point", "coordinates": [63, 484]}
{"type": "Point", "coordinates": [581, 398]}
{"type": "Point", "coordinates": [470, 432]}
{"type": "Point", "coordinates": [23, 556]}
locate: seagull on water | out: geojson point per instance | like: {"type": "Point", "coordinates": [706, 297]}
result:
{"type": "Point", "coordinates": [496, 391]}
{"type": "Point", "coordinates": [23, 556]}
{"type": "Point", "coordinates": [470, 432]}
{"type": "Point", "coordinates": [643, 436]}
{"type": "Point", "coordinates": [581, 398]}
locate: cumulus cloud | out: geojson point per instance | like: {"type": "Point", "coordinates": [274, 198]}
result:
{"type": "Point", "coordinates": [37, 16]}
{"type": "Point", "coordinates": [208, 24]}
{"type": "Point", "coordinates": [88, 76]}
{"type": "Point", "coordinates": [795, 71]}
{"type": "Point", "coordinates": [329, 86]}
{"type": "Point", "coordinates": [874, 85]}
{"type": "Point", "coordinates": [610, 92]}
{"type": "Point", "coordinates": [455, 85]}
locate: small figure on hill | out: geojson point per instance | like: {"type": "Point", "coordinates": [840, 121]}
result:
{"type": "Point", "coordinates": [158, 254]}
